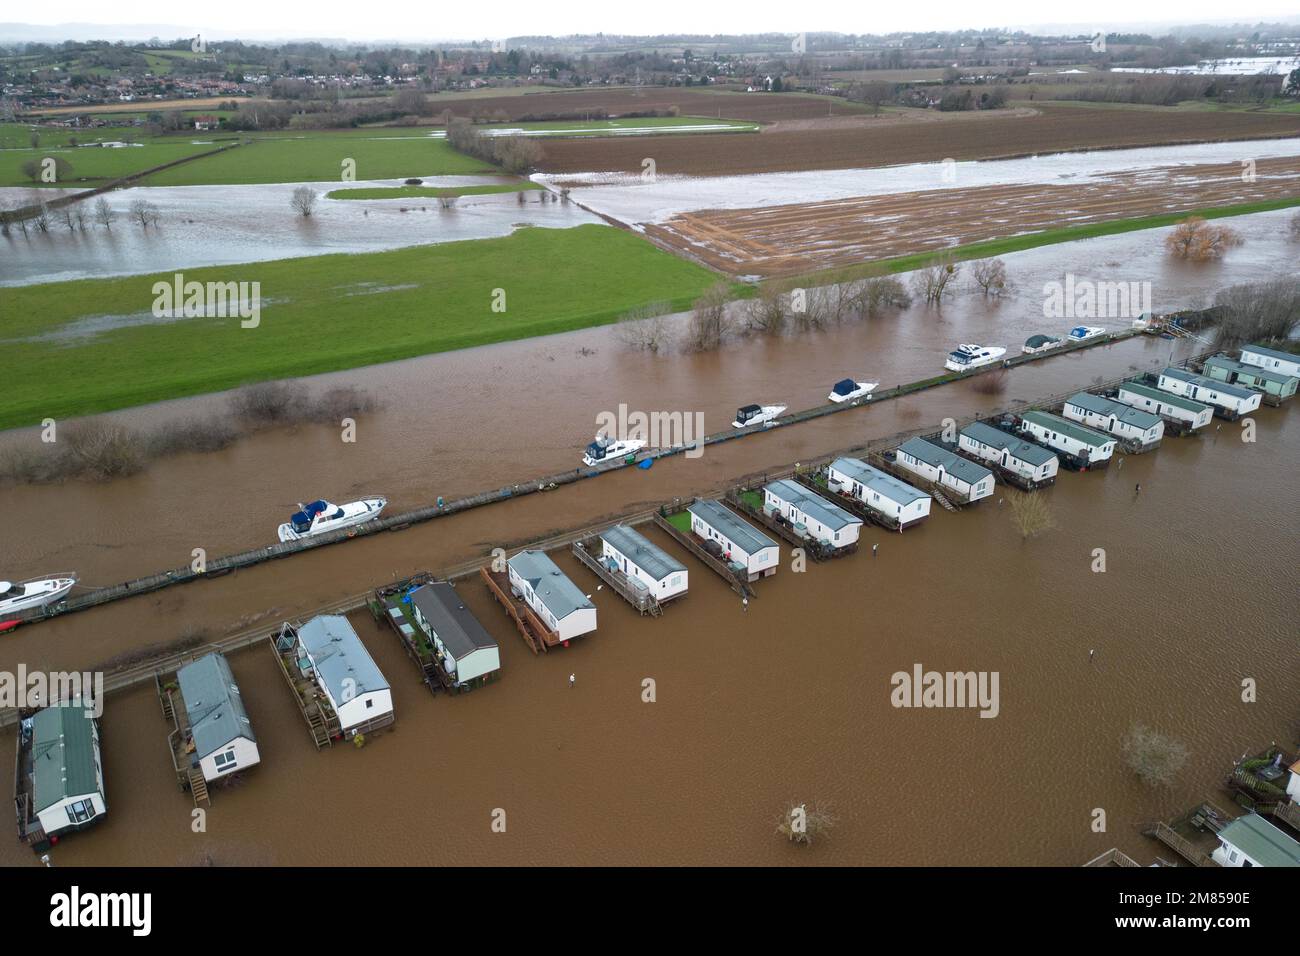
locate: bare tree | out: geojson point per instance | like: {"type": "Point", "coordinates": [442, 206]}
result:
{"type": "Point", "coordinates": [1260, 312]}
{"type": "Point", "coordinates": [448, 202]}
{"type": "Point", "coordinates": [79, 214]}
{"type": "Point", "coordinates": [303, 201]}
{"type": "Point", "coordinates": [645, 328]}
{"type": "Point", "coordinates": [990, 277]}
{"type": "Point", "coordinates": [104, 214]}
{"type": "Point", "coordinates": [931, 283]}
{"type": "Point", "coordinates": [1294, 226]}
{"type": "Point", "coordinates": [41, 218]}
{"type": "Point", "coordinates": [710, 321]}
{"type": "Point", "coordinates": [803, 824]}
{"type": "Point", "coordinates": [765, 312]}
{"type": "Point", "coordinates": [1030, 513]}
{"type": "Point", "coordinates": [145, 213]}
{"type": "Point", "coordinates": [66, 217]}
{"type": "Point", "coordinates": [1155, 757]}
{"type": "Point", "coordinates": [1196, 240]}
{"type": "Point", "coordinates": [104, 449]}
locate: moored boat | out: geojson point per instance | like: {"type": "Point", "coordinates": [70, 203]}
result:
{"type": "Point", "coordinates": [1082, 333]}
{"type": "Point", "coordinates": [748, 415]}
{"type": "Point", "coordinates": [38, 592]}
{"type": "Point", "coordinates": [966, 357]}
{"type": "Point", "coordinates": [605, 449]}
{"type": "Point", "coordinates": [321, 516]}
{"type": "Point", "coordinates": [1039, 343]}
{"type": "Point", "coordinates": [846, 390]}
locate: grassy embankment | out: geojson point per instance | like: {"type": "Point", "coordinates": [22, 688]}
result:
{"type": "Point", "coordinates": [325, 313]}
{"type": "Point", "coordinates": [1047, 237]}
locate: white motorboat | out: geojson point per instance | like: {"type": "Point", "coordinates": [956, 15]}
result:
{"type": "Point", "coordinates": [1081, 333]}
{"type": "Point", "coordinates": [966, 357]}
{"type": "Point", "coordinates": [1040, 343]}
{"type": "Point", "coordinates": [846, 390]}
{"type": "Point", "coordinates": [37, 592]}
{"type": "Point", "coordinates": [320, 516]}
{"type": "Point", "coordinates": [748, 415]}
{"type": "Point", "coordinates": [605, 449]}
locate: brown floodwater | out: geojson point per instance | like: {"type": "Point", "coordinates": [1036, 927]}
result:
{"type": "Point", "coordinates": [789, 700]}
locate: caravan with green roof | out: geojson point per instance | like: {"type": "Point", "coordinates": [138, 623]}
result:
{"type": "Point", "coordinates": [1275, 387]}
{"type": "Point", "coordinates": [59, 783]}
{"type": "Point", "coordinates": [1187, 414]}
{"type": "Point", "coordinates": [1084, 448]}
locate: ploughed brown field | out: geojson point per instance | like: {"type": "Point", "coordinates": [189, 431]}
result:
{"type": "Point", "coordinates": [863, 141]}
{"type": "Point", "coordinates": [794, 239]}
{"type": "Point", "coordinates": [757, 107]}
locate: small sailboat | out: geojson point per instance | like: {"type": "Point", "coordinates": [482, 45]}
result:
{"type": "Point", "coordinates": [748, 415]}
{"type": "Point", "coordinates": [605, 449]}
{"type": "Point", "coordinates": [1081, 333]}
{"type": "Point", "coordinates": [320, 516]}
{"type": "Point", "coordinates": [35, 593]}
{"type": "Point", "coordinates": [966, 357]}
{"type": "Point", "coordinates": [846, 390]}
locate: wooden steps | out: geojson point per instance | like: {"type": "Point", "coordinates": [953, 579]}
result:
{"type": "Point", "coordinates": [199, 787]}
{"type": "Point", "coordinates": [1179, 844]}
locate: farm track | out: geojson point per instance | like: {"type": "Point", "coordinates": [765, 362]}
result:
{"type": "Point", "coordinates": [862, 142]}
{"type": "Point", "coordinates": [793, 239]}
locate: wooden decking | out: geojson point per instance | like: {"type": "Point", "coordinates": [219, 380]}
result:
{"type": "Point", "coordinates": [179, 745]}
{"type": "Point", "coordinates": [322, 722]}
{"type": "Point", "coordinates": [1113, 857]}
{"type": "Point", "coordinates": [386, 606]}
{"type": "Point", "coordinates": [817, 550]}
{"type": "Point", "coordinates": [816, 482]}
{"type": "Point", "coordinates": [536, 635]}
{"type": "Point", "coordinates": [1179, 844]}
{"type": "Point", "coordinates": [946, 497]}
{"type": "Point", "coordinates": [646, 603]}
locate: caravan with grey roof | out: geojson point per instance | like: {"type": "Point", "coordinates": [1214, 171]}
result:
{"type": "Point", "coordinates": [1274, 360]}
{"type": "Point", "coordinates": [217, 723]}
{"type": "Point", "coordinates": [559, 602]}
{"type": "Point", "coordinates": [1141, 431]}
{"type": "Point", "coordinates": [1229, 401]}
{"type": "Point", "coordinates": [969, 481]}
{"type": "Point", "coordinates": [812, 516]}
{"type": "Point", "coordinates": [630, 552]}
{"type": "Point", "coordinates": [896, 501]}
{"type": "Point", "coordinates": [743, 547]}
{"type": "Point", "coordinates": [1034, 463]}
{"type": "Point", "coordinates": [1183, 411]}
{"type": "Point", "coordinates": [330, 654]}
{"type": "Point", "coordinates": [467, 653]}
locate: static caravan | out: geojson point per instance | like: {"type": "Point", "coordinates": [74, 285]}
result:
{"type": "Point", "coordinates": [1138, 429]}
{"type": "Point", "coordinates": [811, 515]}
{"type": "Point", "coordinates": [557, 601]}
{"type": "Point", "coordinates": [1086, 447]}
{"type": "Point", "coordinates": [1190, 414]}
{"type": "Point", "coordinates": [60, 785]}
{"type": "Point", "coordinates": [946, 468]}
{"type": "Point", "coordinates": [1229, 401]}
{"type": "Point", "coordinates": [466, 652]}
{"type": "Point", "coordinates": [632, 553]}
{"type": "Point", "coordinates": [741, 544]}
{"type": "Point", "coordinates": [1275, 386]}
{"type": "Point", "coordinates": [896, 500]}
{"type": "Point", "coordinates": [1034, 463]}
{"type": "Point", "coordinates": [1251, 840]}
{"type": "Point", "coordinates": [1285, 363]}
{"type": "Point", "coordinates": [223, 737]}
{"type": "Point", "coordinates": [332, 655]}
{"type": "Point", "coordinates": [1293, 782]}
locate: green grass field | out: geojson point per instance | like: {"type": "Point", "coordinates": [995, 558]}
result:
{"type": "Point", "coordinates": [318, 157]}
{"type": "Point", "coordinates": [416, 192]}
{"type": "Point", "coordinates": [323, 314]}
{"type": "Point", "coordinates": [92, 165]}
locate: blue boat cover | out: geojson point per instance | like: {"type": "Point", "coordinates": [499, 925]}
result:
{"type": "Point", "coordinates": [845, 386]}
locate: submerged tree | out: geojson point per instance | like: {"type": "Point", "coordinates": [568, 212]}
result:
{"type": "Point", "coordinates": [1030, 513]}
{"type": "Point", "coordinates": [710, 321]}
{"type": "Point", "coordinates": [1153, 756]}
{"type": "Point", "coordinates": [931, 283]}
{"type": "Point", "coordinates": [802, 823]}
{"type": "Point", "coordinates": [303, 201]}
{"type": "Point", "coordinates": [990, 277]}
{"type": "Point", "coordinates": [645, 328]}
{"type": "Point", "coordinates": [1196, 240]}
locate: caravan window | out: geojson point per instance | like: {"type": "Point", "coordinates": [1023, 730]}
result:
{"type": "Point", "coordinates": [226, 761]}
{"type": "Point", "coordinates": [81, 811]}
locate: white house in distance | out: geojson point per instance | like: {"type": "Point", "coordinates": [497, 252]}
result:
{"type": "Point", "coordinates": [1031, 462]}
{"type": "Point", "coordinates": [557, 601]}
{"type": "Point", "coordinates": [345, 673]}
{"type": "Point", "coordinates": [879, 491]}
{"type": "Point", "coordinates": [224, 742]}
{"type": "Point", "coordinates": [1251, 840]}
{"type": "Point", "coordinates": [815, 516]}
{"type": "Point", "coordinates": [633, 554]}
{"type": "Point", "coordinates": [741, 544]}
{"type": "Point", "coordinates": [1231, 401]}
{"type": "Point", "coordinates": [1288, 363]}
{"type": "Point", "coordinates": [466, 651]}
{"type": "Point", "coordinates": [1123, 421]}
{"type": "Point", "coordinates": [1193, 414]}
{"type": "Point", "coordinates": [946, 468]}
{"type": "Point", "coordinates": [59, 750]}
{"type": "Point", "coordinates": [1093, 448]}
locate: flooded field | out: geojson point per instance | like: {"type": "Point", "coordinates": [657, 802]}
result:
{"type": "Point", "coordinates": [457, 423]}
{"type": "Point", "coordinates": [227, 225]}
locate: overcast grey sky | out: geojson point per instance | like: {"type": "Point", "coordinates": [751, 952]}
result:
{"type": "Point", "coordinates": [449, 20]}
